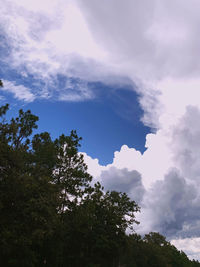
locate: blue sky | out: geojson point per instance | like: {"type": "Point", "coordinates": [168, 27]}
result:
{"type": "Point", "coordinates": [125, 75]}
{"type": "Point", "coordinates": [105, 123]}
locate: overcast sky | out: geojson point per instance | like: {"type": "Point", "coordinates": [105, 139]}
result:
{"type": "Point", "coordinates": [126, 75]}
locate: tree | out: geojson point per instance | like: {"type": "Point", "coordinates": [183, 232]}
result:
{"type": "Point", "coordinates": [51, 215]}
{"type": "Point", "coordinates": [39, 180]}
{"type": "Point", "coordinates": [97, 227]}
{"type": "Point", "coordinates": [28, 201]}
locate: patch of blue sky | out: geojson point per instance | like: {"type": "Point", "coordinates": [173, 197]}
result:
{"type": "Point", "coordinates": [106, 116]}
{"type": "Point", "coordinates": [106, 122]}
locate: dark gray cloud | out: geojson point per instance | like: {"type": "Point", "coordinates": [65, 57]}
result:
{"type": "Point", "coordinates": [186, 144]}
{"type": "Point", "coordinates": [123, 180]}
{"type": "Point", "coordinates": [173, 206]}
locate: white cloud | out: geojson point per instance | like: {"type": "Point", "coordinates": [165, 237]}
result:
{"type": "Point", "coordinates": [186, 144]}
{"type": "Point", "coordinates": [94, 168]}
{"type": "Point", "coordinates": [152, 164]}
{"type": "Point", "coordinates": [155, 39]}
{"type": "Point", "coordinates": [74, 92]}
{"type": "Point", "coordinates": [156, 44]}
{"type": "Point", "coordinates": [189, 245]}
{"type": "Point", "coordinates": [141, 40]}
{"type": "Point", "coordinates": [45, 38]}
{"type": "Point", "coordinates": [20, 92]}
{"type": "Point", "coordinates": [73, 35]}
{"type": "Point", "coordinates": [50, 39]}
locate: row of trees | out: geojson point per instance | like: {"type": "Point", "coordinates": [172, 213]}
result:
{"type": "Point", "coordinates": [51, 215]}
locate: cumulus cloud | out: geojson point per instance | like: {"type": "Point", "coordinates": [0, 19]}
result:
{"type": "Point", "coordinates": [152, 164]}
{"type": "Point", "coordinates": [169, 170]}
{"type": "Point", "coordinates": [186, 144]}
{"type": "Point", "coordinates": [171, 206]}
{"type": "Point", "coordinates": [94, 168]}
{"type": "Point", "coordinates": [123, 180]}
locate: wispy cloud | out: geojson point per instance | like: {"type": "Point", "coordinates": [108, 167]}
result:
{"type": "Point", "coordinates": [20, 92]}
{"type": "Point", "coordinates": [48, 40]}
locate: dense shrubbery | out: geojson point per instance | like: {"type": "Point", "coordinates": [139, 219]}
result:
{"type": "Point", "coordinates": [50, 215]}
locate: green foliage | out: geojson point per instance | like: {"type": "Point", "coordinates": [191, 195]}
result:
{"type": "Point", "coordinates": [51, 215]}
{"type": "Point", "coordinates": [97, 227]}
{"type": "Point", "coordinates": [153, 250]}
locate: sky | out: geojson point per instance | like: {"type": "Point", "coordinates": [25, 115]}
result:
{"type": "Point", "coordinates": [125, 75]}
